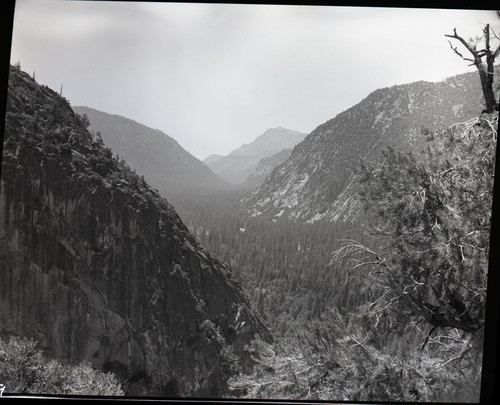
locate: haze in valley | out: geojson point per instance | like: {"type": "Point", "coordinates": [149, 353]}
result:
{"type": "Point", "coordinates": [216, 76]}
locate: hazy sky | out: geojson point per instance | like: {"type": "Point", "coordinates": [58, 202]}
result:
{"type": "Point", "coordinates": [216, 76]}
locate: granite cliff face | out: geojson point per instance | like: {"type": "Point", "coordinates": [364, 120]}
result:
{"type": "Point", "coordinates": [97, 266]}
{"type": "Point", "coordinates": [317, 180]}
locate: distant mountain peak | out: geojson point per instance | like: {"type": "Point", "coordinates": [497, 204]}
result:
{"type": "Point", "coordinates": [212, 158]}
{"type": "Point", "coordinates": [242, 162]}
{"type": "Point", "coordinates": [275, 130]}
{"type": "Point", "coordinates": [270, 142]}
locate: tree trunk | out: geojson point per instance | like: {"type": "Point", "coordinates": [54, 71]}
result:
{"type": "Point", "coordinates": [487, 86]}
{"type": "Point", "coordinates": [489, 96]}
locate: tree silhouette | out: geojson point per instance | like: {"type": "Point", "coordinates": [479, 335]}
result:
{"type": "Point", "coordinates": [485, 68]}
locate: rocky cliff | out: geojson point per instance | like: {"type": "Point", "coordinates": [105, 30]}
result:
{"type": "Point", "coordinates": [97, 266]}
{"type": "Point", "coordinates": [316, 181]}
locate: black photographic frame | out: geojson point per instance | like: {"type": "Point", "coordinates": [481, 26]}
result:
{"type": "Point", "coordinates": [490, 380]}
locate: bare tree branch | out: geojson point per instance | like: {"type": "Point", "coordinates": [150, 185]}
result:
{"type": "Point", "coordinates": [464, 42]}
{"type": "Point", "coordinates": [485, 70]}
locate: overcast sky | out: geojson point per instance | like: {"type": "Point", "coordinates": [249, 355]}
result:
{"type": "Point", "coordinates": [216, 76]}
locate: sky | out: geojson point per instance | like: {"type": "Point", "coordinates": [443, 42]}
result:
{"type": "Point", "coordinates": [216, 76]}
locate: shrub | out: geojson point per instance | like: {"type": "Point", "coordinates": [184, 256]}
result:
{"type": "Point", "coordinates": [23, 369]}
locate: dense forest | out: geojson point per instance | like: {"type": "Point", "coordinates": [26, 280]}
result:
{"type": "Point", "coordinates": [284, 267]}
{"type": "Point", "coordinates": [393, 303]}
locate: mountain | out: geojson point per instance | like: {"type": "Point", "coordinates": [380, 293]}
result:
{"type": "Point", "coordinates": [152, 153]}
{"type": "Point", "coordinates": [242, 162]}
{"type": "Point", "coordinates": [267, 165]}
{"type": "Point", "coordinates": [235, 169]}
{"type": "Point", "coordinates": [97, 266]}
{"type": "Point", "coordinates": [270, 142]}
{"type": "Point", "coordinates": [316, 181]}
{"type": "Point", "coordinates": [212, 158]}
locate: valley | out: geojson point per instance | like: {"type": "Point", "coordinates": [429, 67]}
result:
{"type": "Point", "coordinates": [231, 202]}
{"type": "Point", "coordinates": [263, 273]}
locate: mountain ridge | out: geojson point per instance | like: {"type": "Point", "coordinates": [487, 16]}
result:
{"type": "Point", "coordinates": [211, 158]}
{"type": "Point", "coordinates": [315, 182]}
{"type": "Point", "coordinates": [152, 153]}
{"type": "Point", "coordinates": [271, 141]}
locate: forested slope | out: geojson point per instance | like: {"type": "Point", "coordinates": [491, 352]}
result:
{"type": "Point", "coordinates": [164, 163]}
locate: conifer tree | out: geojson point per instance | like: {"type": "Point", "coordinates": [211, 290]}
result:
{"type": "Point", "coordinates": [432, 218]}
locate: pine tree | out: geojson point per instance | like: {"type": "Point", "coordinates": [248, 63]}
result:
{"type": "Point", "coordinates": [433, 218]}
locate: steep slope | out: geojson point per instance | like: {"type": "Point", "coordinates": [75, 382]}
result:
{"type": "Point", "coordinates": [316, 181]}
{"type": "Point", "coordinates": [97, 266]}
{"type": "Point", "coordinates": [267, 165]}
{"type": "Point", "coordinates": [242, 162]}
{"type": "Point", "coordinates": [152, 153]}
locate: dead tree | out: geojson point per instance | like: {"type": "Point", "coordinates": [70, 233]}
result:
{"type": "Point", "coordinates": [485, 68]}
